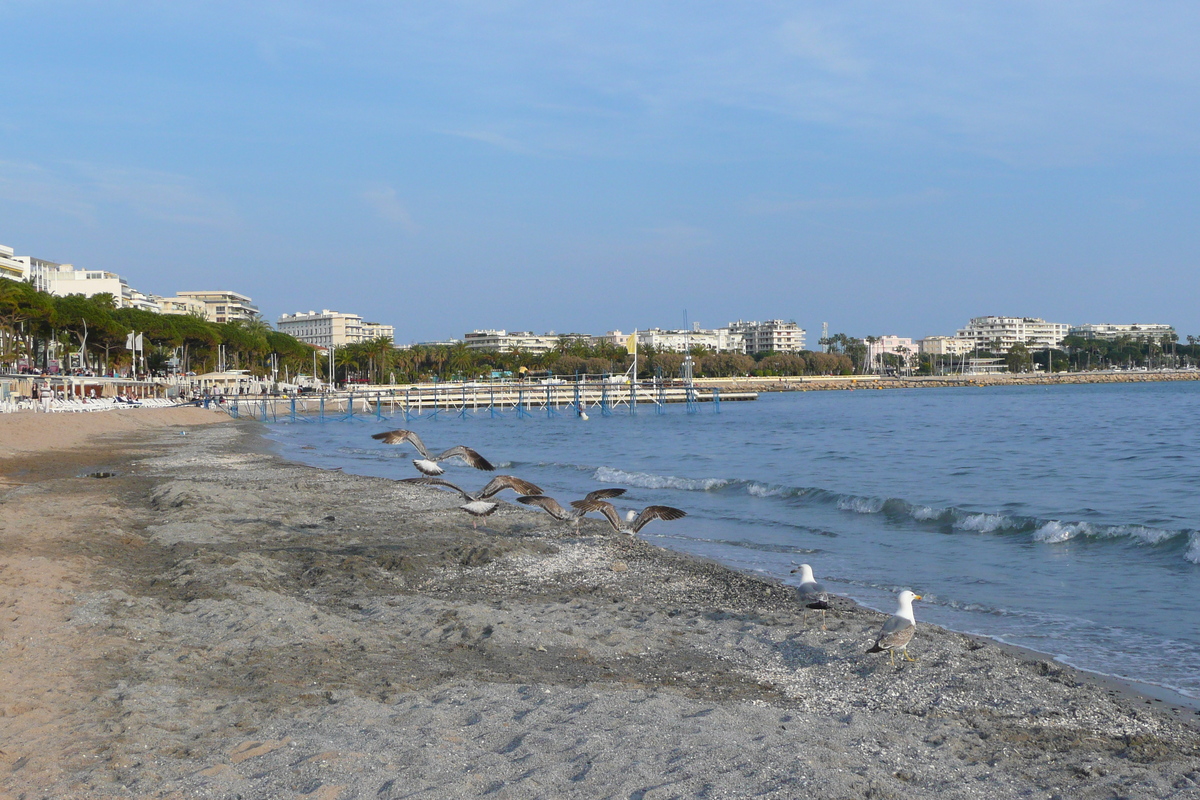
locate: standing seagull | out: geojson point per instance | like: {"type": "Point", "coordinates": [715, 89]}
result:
{"type": "Point", "coordinates": [811, 593]}
{"type": "Point", "coordinates": [428, 463]}
{"type": "Point", "coordinates": [631, 524]}
{"type": "Point", "coordinates": [898, 631]}
{"type": "Point", "coordinates": [478, 504]}
{"type": "Point", "coordinates": [551, 506]}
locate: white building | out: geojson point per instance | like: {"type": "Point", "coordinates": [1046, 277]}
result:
{"type": "Point", "coordinates": [774, 335]}
{"type": "Point", "coordinates": [999, 334]}
{"type": "Point", "coordinates": [179, 305]}
{"type": "Point", "coordinates": [223, 306]}
{"type": "Point", "coordinates": [718, 340]}
{"type": "Point", "coordinates": [525, 341]}
{"type": "Point", "coordinates": [1110, 332]}
{"type": "Point", "coordinates": [10, 267]}
{"type": "Point", "coordinates": [902, 348]}
{"type": "Point", "coordinates": [945, 346]}
{"type": "Point", "coordinates": [331, 328]}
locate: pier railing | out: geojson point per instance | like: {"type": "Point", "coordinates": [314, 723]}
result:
{"type": "Point", "coordinates": [431, 401]}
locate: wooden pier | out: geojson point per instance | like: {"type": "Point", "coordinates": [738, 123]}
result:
{"type": "Point", "coordinates": [432, 400]}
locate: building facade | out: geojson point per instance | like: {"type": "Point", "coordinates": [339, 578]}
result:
{"type": "Point", "coordinates": [903, 348]}
{"type": "Point", "coordinates": [223, 306]}
{"type": "Point", "coordinates": [718, 340]}
{"type": "Point", "coordinates": [1110, 332]}
{"type": "Point", "coordinates": [999, 334]}
{"type": "Point", "coordinates": [331, 328]}
{"type": "Point", "coordinates": [525, 341]}
{"type": "Point", "coordinates": [945, 346]}
{"type": "Point", "coordinates": [772, 335]}
{"type": "Point", "coordinates": [10, 267]}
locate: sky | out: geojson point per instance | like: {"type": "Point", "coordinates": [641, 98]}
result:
{"type": "Point", "coordinates": [887, 168]}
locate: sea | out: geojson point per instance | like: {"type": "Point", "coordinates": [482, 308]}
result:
{"type": "Point", "coordinates": [1064, 519]}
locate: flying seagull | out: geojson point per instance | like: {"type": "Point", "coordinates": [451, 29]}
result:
{"type": "Point", "coordinates": [811, 593]}
{"type": "Point", "coordinates": [428, 464]}
{"type": "Point", "coordinates": [494, 487]}
{"type": "Point", "coordinates": [478, 504]}
{"type": "Point", "coordinates": [898, 631]}
{"type": "Point", "coordinates": [634, 521]}
{"type": "Point", "coordinates": [551, 506]}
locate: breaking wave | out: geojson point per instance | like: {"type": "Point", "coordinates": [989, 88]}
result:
{"type": "Point", "coordinates": [1045, 531]}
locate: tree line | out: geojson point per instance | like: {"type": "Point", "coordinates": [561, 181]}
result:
{"type": "Point", "coordinates": [37, 327]}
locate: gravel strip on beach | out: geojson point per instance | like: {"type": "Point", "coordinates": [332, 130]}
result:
{"type": "Point", "coordinates": [213, 621]}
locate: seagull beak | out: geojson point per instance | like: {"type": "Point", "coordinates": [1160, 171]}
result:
{"type": "Point", "coordinates": [916, 597]}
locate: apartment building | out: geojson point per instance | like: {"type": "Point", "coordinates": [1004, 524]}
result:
{"type": "Point", "coordinates": [525, 341]}
{"type": "Point", "coordinates": [718, 340]}
{"type": "Point", "coordinates": [222, 306]}
{"type": "Point", "coordinates": [1110, 332]}
{"type": "Point", "coordinates": [999, 334]}
{"type": "Point", "coordinates": [10, 267]}
{"type": "Point", "coordinates": [774, 335]}
{"type": "Point", "coordinates": [944, 346]}
{"type": "Point", "coordinates": [331, 328]}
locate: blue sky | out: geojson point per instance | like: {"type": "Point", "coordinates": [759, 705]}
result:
{"type": "Point", "coordinates": [890, 168]}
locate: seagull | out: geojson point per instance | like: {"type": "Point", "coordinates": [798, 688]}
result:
{"type": "Point", "coordinates": [634, 521]}
{"type": "Point", "coordinates": [428, 463]}
{"type": "Point", "coordinates": [478, 504]}
{"type": "Point", "coordinates": [494, 486]}
{"type": "Point", "coordinates": [811, 593]}
{"type": "Point", "coordinates": [551, 506]}
{"type": "Point", "coordinates": [898, 631]}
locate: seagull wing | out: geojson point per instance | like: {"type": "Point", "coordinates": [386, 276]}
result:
{"type": "Point", "coordinates": [468, 455]}
{"type": "Point", "coordinates": [656, 512]}
{"type": "Point", "coordinates": [604, 507]}
{"type": "Point", "coordinates": [550, 505]}
{"type": "Point", "coordinates": [501, 482]}
{"type": "Point", "coordinates": [437, 482]}
{"type": "Point", "coordinates": [896, 632]}
{"type": "Point", "coordinates": [601, 493]}
{"type": "Point", "coordinates": [402, 436]}
{"type": "Point", "coordinates": [813, 594]}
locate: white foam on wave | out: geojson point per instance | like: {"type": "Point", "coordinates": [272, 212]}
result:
{"type": "Point", "coordinates": [1193, 551]}
{"type": "Point", "coordinates": [985, 523]}
{"type": "Point", "coordinates": [763, 490]}
{"type": "Point", "coordinates": [861, 505]}
{"type": "Point", "coordinates": [645, 480]}
{"type": "Point", "coordinates": [1055, 531]}
{"type": "Point", "coordinates": [925, 513]}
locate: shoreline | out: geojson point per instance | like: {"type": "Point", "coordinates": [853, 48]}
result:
{"type": "Point", "coordinates": [807, 383]}
{"type": "Point", "coordinates": [245, 624]}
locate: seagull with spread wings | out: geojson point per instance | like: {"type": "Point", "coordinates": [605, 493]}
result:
{"type": "Point", "coordinates": [428, 463]}
{"type": "Point", "coordinates": [478, 503]}
{"type": "Point", "coordinates": [634, 521]}
{"type": "Point", "coordinates": [573, 515]}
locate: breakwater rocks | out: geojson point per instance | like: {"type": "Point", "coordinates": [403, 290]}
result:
{"type": "Point", "coordinates": [852, 382]}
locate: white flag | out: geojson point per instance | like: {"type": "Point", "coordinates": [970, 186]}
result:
{"type": "Point", "coordinates": [129, 341]}
{"type": "Point", "coordinates": [139, 343]}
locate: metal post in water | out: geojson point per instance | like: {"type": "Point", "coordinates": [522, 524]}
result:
{"type": "Point", "coordinates": [462, 412]}
{"type": "Point", "coordinates": [293, 409]}
{"type": "Point", "coordinates": [716, 400]}
{"type": "Point", "coordinates": [321, 410]}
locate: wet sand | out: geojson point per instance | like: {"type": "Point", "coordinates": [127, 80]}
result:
{"type": "Point", "coordinates": [212, 621]}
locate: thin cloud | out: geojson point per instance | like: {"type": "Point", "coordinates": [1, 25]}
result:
{"type": "Point", "coordinates": [389, 208]}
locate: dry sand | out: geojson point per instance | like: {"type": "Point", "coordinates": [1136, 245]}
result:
{"type": "Point", "coordinates": [214, 622]}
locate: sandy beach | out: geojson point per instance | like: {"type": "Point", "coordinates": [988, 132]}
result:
{"type": "Point", "coordinates": [212, 621]}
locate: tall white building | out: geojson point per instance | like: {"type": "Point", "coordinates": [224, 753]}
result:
{"type": "Point", "coordinates": [1110, 332]}
{"type": "Point", "coordinates": [223, 306]}
{"type": "Point", "coordinates": [331, 328]}
{"type": "Point", "coordinates": [772, 335]}
{"type": "Point", "coordinates": [999, 334]}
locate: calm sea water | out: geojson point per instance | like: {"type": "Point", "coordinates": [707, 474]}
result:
{"type": "Point", "coordinates": [1063, 519]}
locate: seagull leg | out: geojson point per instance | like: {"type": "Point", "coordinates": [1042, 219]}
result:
{"type": "Point", "coordinates": [907, 657]}
{"type": "Point", "coordinates": [891, 657]}
{"type": "Point", "coordinates": [823, 620]}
